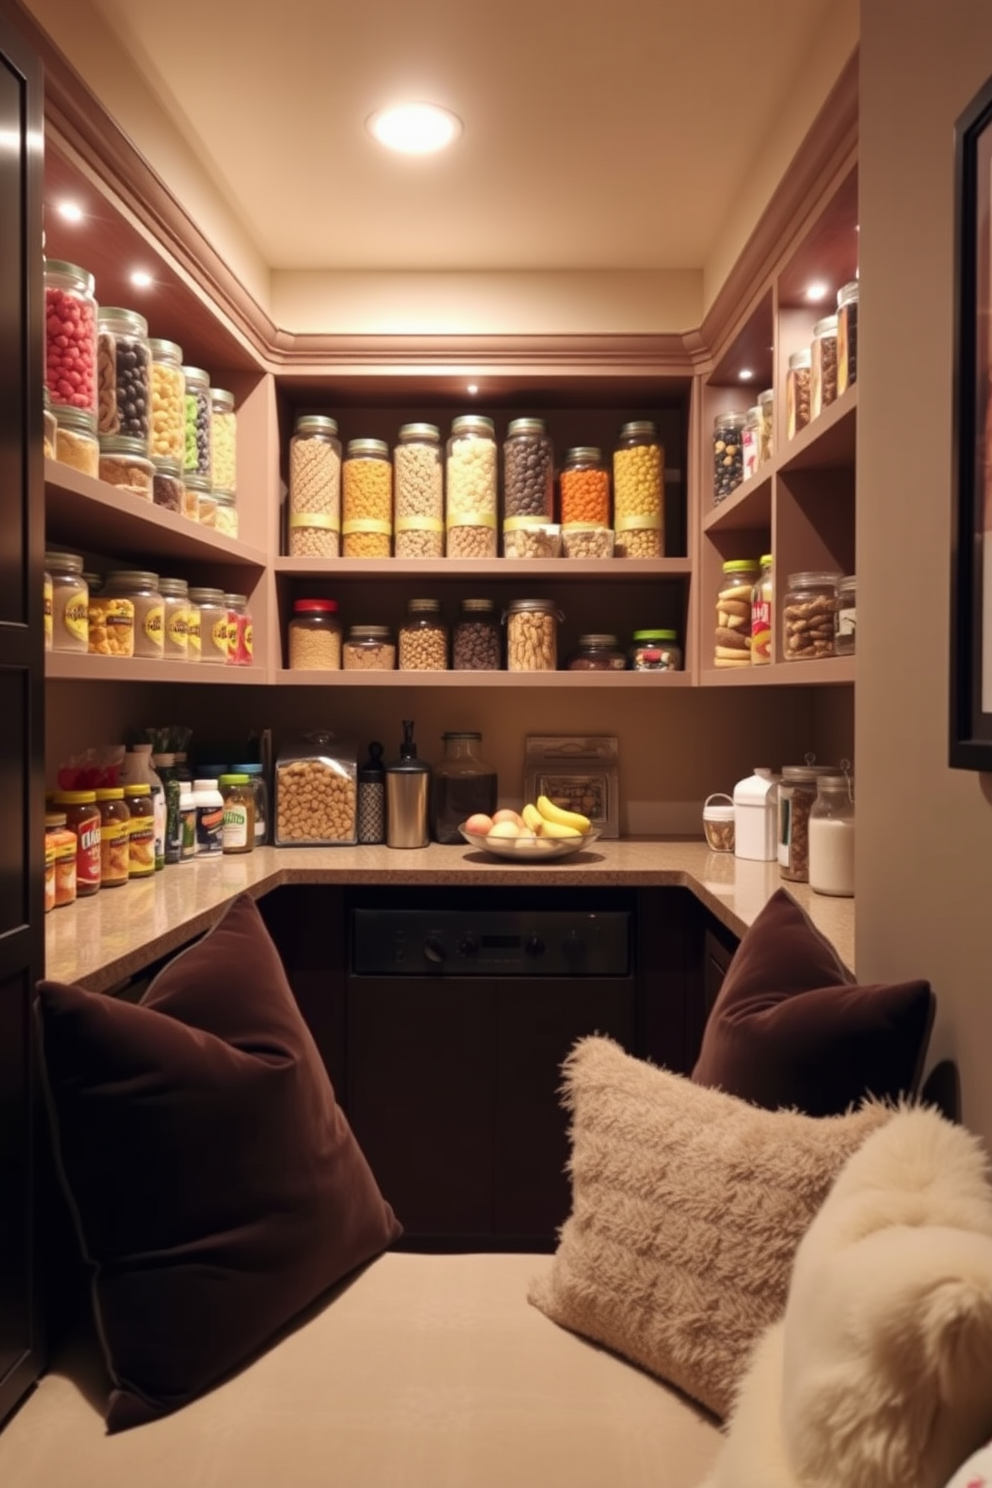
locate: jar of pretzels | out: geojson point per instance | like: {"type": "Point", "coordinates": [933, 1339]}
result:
{"type": "Point", "coordinates": [733, 613]}
{"type": "Point", "coordinates": [808, 616]}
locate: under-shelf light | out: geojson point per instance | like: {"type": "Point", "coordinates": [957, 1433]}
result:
{"type": "Point", "coordinates": [414, 128]}
{"type": "Point", "coordinates": [745, 374]}
{"type": "Point", "coordinates": [70, 211]}
{"type": "Point", "coordinates": [817, 291]}
{"type": "Point", "coordinates": [473, 388]}
{"type": "Point", "coordinates": [141, 278]}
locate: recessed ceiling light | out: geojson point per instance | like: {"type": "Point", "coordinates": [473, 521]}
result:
{"type": "Point", "coordinates": [473, 387]}
{"type": "Point", "coordinates": [817, 291]}
{"type": "Point", "coordinates": [141, 279]}
{"type": "Point", "coordinates": [414, 128]}
{"type": "Point", "coordinates": [745, 374]}
{"type": "Point", "coordinates": [70, 211]}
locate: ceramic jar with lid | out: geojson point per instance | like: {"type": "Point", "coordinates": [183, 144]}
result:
{"type": "Point", "coordinates": [733, 613]}
{"type": "Point", "coordinates": [639, 492]}
{"type": "Point", "coordinates": [238, 824]}
{"type": "Point", "coordinates": [808, 610]}
{"type": "Point", "coordinates": [419, 492]}
{"type": "Point", "coordinates": [471, 482]}
{"type": "Point", "coordinates": [367, 500]}
{"type": "Point", "coordinates": [314, 488]}
{"type": "Point", "coordinates": [315, 636]}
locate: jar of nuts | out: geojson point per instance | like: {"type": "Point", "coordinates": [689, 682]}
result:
{"type": "Point", "coordinates": [639, 492]}
{"type": "Point", "coordinates": [584, 485]}
{"type": "Point", "coordinates": [123, 375]}
{"type": "Point", "coordinates": [475, 645]}
{"type": "Point", "coordinates": [167, 431]}
{"type": "Point", "coordinates": [315, 636]}
{"type": "Point", "coordinates": [532, 635]}
{"type": "Point", "coordinates": [797, 392]}
{"type": "Point", "coordinates": [367, 500]}
{"type": "Point", "coordinates": [796, 794]}
{"type": "Point", "coordinates": [369, 648]}
{"type": "Point", "coordinates": [471, 488]}
{"type": "Point", "coordinates": [423, 638]}
{"type": "Point", "coordinates": [419, 492]}
{"type": "Point", "coordinates": [314, 488]}
{"type": "Point", "coordinates": [808, 616]}
{"type": "Point", "coordinates": [728, 454]}
{"type": "Point", "coordinates": [528, 472]}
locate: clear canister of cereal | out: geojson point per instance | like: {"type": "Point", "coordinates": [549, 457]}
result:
{"type": "Point", "coordinates": [314, 488]}
{"type": "Point", "coordinates": [584, 488]}
{"type": "Point", "coordinates": [124, 464]}
{"type": "Point", "coordinates": [240, 640]}
{"type": "Point", "coordinates": [823, 365]}
{"type": "Point", "coordinates": [76, 442]}
{"type": "Point", "coordinates": [766, 431]}
{"type": "Point", "coordinates": [846, 616]}
{"type": "Point", "coordinates": [115, 831]}
{"type": "Point", "coordinates": [314, 635]}
{"type": "Point", "coordinates": [70, 602]}
{"type": "Point", "coordinates": [847, 336]}
{"type": "Point", "coordinates": [212, 629]}
{"type": "Point", "coordinates": [475, 642]}
{"type": "Point", "coordinates": [471, 487]}
{"type": "Point", "coordinates": [732, 638]}
{"type": "Point", "coordinates": [70, 338]}
{"type": "Point", "coordinates": [423, 638]}
{"type": "Point", "coordinates": [808, 610]}
{"type": "Point", "coordinates": [367, 499]}
{"type": "Point", "coordinates": [197, 452]}
{"type": "Point", "coordinates": [223, 441]}
{"type": "Point", "coordinates": [167, 422]}
{"type": "Point", "coordinates": [141, 588]}
{"type": "Point", "coordinates": [798, 405]}
{"type": "Point", "coordinates": [175, 618]}
{"type": "Point", "coordinates": [639, 492]}
{"type": "Point", "coordinates": [123, 375]}
{"type": "Point", "coordinates": [369, 648]}
{"type": "Point", "coordinates": [762, 613]}
{"type": "Point", "coordinates": [528, 472]}
{"type": "Point", "coordinates": [532, 635]}
{"type": "Point", "coordinates": [419, 492]}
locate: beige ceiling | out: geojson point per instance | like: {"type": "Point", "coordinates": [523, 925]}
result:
{"type": "Point", "coordinates": [599, 135]}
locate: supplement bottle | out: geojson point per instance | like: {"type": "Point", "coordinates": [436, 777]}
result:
{"type": "Point", "coordinates": [238, 824]}
{"type": "Point", "coordinates": [419, 492]}
{"type": "Point", "coordinates": [209, 805]}
{"type": "Point", "coordinates": [260, 793]}
{"type": "Point", "coordinates": [639, 492]}
{"type": "Point", "coordinates": [462, 785]}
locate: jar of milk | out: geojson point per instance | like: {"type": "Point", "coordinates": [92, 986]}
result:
{"type": "Point", "coordinates": [831, 836]}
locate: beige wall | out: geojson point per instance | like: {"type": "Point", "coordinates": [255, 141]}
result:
{"type": "Point", "coordinates": [924, 887]}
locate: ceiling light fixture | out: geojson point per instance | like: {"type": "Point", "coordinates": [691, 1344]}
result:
{"type": "Point", "coordinates": [473, 387]}
{"type": "Point", "coordinates": [141, 279]}
{"type": "Point", "coordinates": [70, 211]}
{"type": "Point", "coordinates": [414, 128]}
{"type": "Point", "coordinates": [817, 291]}
{"type": "Point", "coordinates": [745, 374]}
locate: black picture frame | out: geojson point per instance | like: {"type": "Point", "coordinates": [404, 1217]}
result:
{"type": "Point", "coordinates": [971, 553]}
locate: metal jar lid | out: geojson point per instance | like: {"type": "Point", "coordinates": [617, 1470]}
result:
{"type": "Point", "coordinates": [419, 431]}
{"type": "Point", "coordinates": [316, 423]}
{"type": "Point", "coordinates": [376, 449]}
{"type": "Point", "coordinates": [529, 426]}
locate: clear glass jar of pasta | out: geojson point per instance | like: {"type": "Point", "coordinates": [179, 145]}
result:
{"type": "Point", "coordinates": [314, 488]}
{"type": "Point", "coordinates": [471, 485]}
{"type": "Point", "coordinates": [419, 492]}
{"type": "Point", "coordinates": [639, 492]}
{"type": "Point", "coordinates": [367, 500]}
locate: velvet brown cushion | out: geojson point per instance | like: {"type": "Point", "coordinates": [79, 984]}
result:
{"type": "Point", "coordinates": [792, 1027]}
{"type": "Point", "coordinates": [216, 1184]}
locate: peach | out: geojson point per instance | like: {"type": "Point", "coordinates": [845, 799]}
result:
{"type": "Point", "coordinates": [505, 828]}
{"type": "Point", "coordinates": [480, 825]}
{"type": "Point", "coordinates": [506, 815]}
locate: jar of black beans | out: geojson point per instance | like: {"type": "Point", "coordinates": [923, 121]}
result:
{"type": "Point", "coordinates": [475, 645]}
{"type": "Point", "coordinates": [123, 365]}
{"type": "Point", "coordinates": [528, 471]}
{"type": "Point", "coordinates": [198, 457]}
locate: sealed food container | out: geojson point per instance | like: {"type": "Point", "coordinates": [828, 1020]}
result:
{"type": "Point", "coordinates": [82, 818]}
{"type": "Point", "coordinates": [419, 492]}
{"type": "Point", "coordinates": [831, 837]}
{"type": "Point", "coordinates": [206, 507]}
{"type": "Point", "coordinates": [597, 653]}
{"type": "Point", "coordinates": [141, 836]}
{"type": "Point", "coordinates": [115, 834]}
{"type": "Point", "coordinates": [141, 588]}
{"type": "Point", "coordinates": [532, 635]}
{"type": "Point", "coordinates": [470, 513]}
{"type": "Point", "coordinates": [639, 492]}
{"type": "Point", "coordinates": [796, 794]}
{"type": "Point", "coordinates": [847, 336]}
{"type": "Point", "coordinates": [766, 430]}
{"type": "Point", "coordinates": [315, 636]}
{"type": "Point", "coordinates": [175, 618]}
{"type": "Point", "coordinates": [123, 464]}
{"type": "Point", "coordinates": [762, 613]}
{"type": "Point", "coordinates": [367, 500]}
{"type": "Point", "coordinates": [212, 608]}
{"type": "Point", "coordinates": [655, 651]}
{"type": "Point", "coordinates": [462, 785]}
{"type": "Point", "coordinates": [423, 638]}
{"type": "Point", "coordinates": [584, 489]}
{"type": "Point", "coordinates": [168, 486]}
{"type": "Point", "coordinates": [728, 454]}
{"type": "Point", "coordinates": [314, 488]}
{"type": "Point", "coordinates": [750, 441]}
{"type": "Point", "coordinates": [167, 423]}
{"type": "Point", "coordinates": [240, 631]}
{"type": "Point", "coordinates": [369, 648]}
{"type": "Point", "coordinates": [196, 489]}
{"type": "Point", "coordinates": [808, 611]}
{"type": "Point", "coordinates": [823, 366]}
{"type": "Point", "coordinates": [70, 338]}
{"type": "Point", "coordinates": [316, 791]}
{"type": "Point", "coordinates": [846, 616]}
{"type": "Point", "coordinates": [70, 602]}
{"type": "Point", "coordinates": [584, 540]}
{"type": "Point", "coordinates": [256, 779]}
{"type": "Point", "coordinates": [524, 538]}
{"type": "Point", "coordinates": [475, 643]}
{"type": "Point", "coordinates": [197, 453]}
{"type": "Point", "coordinates": [755, 815]}
{"type": "Point", "coordinates": [60, 861]}
{"type": "Point", "coordinates": [123, 375]}
{"type": "Point", "coordinates": [49, 427]}
{"type": "Point", "coordinates": [47, 594]}
{"type": "Point", "coordinates": [76, 442]}
{"type": "Point", "coordinates": [733, 613]}
{"type": "Point", "coordinates": [111, 625]}
{"type": "Point", "coordinates": [528, 472]}
{"type": "Point", "coordinates": [238, 827]}
{"type": "Point", "coordinates": [223, 441]}
{"type": "Point", "coordinates": [798, 392]}
{"type": "Point", "coordinates": [718, 822]}
{"type": "Point", "coordinates": [194, 636]}
{"type": "Point", "coordinates": [225, 513]}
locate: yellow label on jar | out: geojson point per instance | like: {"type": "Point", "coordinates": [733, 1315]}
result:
{"type": "Point", "coordinates": [219, 635]}
{"type": "Point", "coordinates": [249, 640]}
{"type": "Point", "coordinates": [194, 642]}
{"type": "Point", "coordinates": [76, 617]}
{"type": "Point", "coordinates": [177, 630]}
{"type": "Point", "coordinates": [153, 623]}
{"type": "Point", "coordinates": [49, 616]}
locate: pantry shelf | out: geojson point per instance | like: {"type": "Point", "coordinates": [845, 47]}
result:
{"type": "Point", "coordinates": [488, 569]}
{"type": "Point", "coordinates": [832, 669]}
{"type": "Point", "coordinates": [485, 680]}
{"type": "Point", "coordinates": [67, 666]}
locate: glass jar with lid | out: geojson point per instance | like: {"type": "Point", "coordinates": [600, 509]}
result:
{"type": "Point", "coordinates": [367, 499]}
{"type": "Point", "coordinates": [423, 638]}
{"type": "Point", "coordinates": [419, 493]}
{"type": "Point", "coordinates": [808, 611]}
{"type": "Point", "coordinates": [194, 638]}
{"type": "Point", "coordinates": [471, 483]}
{"type": "Point", "coordinates": [223, 441]}
{"type": "Point", "coordinates": [475, 644]}
{"type": "Point", "coordinates": [196, 491]}
{"type": "Point", "coordinates": [225, 512]}
{"type": "Point", "coordinates": [255, 773]}
{"type": "Point", "coordinates": [111, 624]}
{"type": "Point", "coordinates": [49, 426]}
{"type": "Point", "coordinates": [314, 634]}
{"type": "Point", "coordinates": [212, 608]}
{"type": "Point", "coordinates": [314, 488]}
{"type": "Point", "coordinates": [766, 429]}
{"type": "Point", "coordinates": [168, 487]}
{"type": "Point", "coordinates": [240, 637]}
{"type": "Point", "coordinates": [47, 596]}
{"type": "Point", "coordinates": [728, 453]}
{"type": "Point", "coordinates": [597, 652]}
{"type": "Point", "coordinates": [115, 831]}
{"type": "Point", "coordinates": [123, 375]}
{"type": "Point", "coordinates": [796, 794]}
{"type": "Point", "coordinates": [733, 613]}
{"type": "Point", "coordinates": [762, 613]}
{"type": "Point", "coordinates": [167, 420]}
{"type": "Point", "coordinates": [846, 616]}
{"type": "Point", "coordinates": [847, 336]}
{"type": "Point", "coordinates": [532, 635]}
{"type": "Point", "coordinates": [798, 403]}
{"type": "Point", "coordinates": [823, 365]}
{"type": "Point", "coordinates": [831, 837]}
{"type": "Point", "coordinates": [76, 441]}
{"type": "Point", "coordinates": [70, 602]}
{"type": "Point", "coordinates": [655, 651]}
{"type": "Point", "coordinates": [124, 464]}
{"type": "Point", "coordinates": [639, 492]}
{"type": "Point", "coordinates": [462, 784]}
{"type": "Point", "coordinates": [70, 338]}
{"type": "Point", "coordinates": [82, 816]}
{"type": "Point", "coordinates": [528, 472]}
{"type": "Point", "coordinates": [141, 588]}
{"type": "Point", "coordinates": [584, 487]}
{"type": "Point", "coordinates": [369, 648]}
{"type": "Point", "coordinates": [175, 618]}
{"type": "Point", "coordinates": [197, 454]}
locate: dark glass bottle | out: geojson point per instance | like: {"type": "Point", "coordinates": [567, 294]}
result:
{"type": "Point", "coordinates": [463, 784]}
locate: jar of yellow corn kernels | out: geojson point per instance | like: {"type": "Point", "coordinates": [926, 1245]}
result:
{"type": "Point", "coordinates": [639, 492]}
{"type": "Point", "coordinates": [367, 499]}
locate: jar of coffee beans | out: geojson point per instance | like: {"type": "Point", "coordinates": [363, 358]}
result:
{"type": "Point", "coordinates": [528, 471]}
{"type": "Point", "coordinates": [475, 645]}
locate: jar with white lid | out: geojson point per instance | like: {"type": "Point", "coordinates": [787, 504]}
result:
{"type": "Point", "coordinates": [223, 441]}
{"type": "Point", "coordinates": [532, 635]}
{"type": "Point", "coordinates": [798, 403]}
{"type": "Point", "coordinates": [314, 488]}
{"type": "Point", "coordinates": [419, 492]}
{"type": "Point", "coordinates": [831, 837]}
{"type": "Point", "coordinates": [808, 611]}
{"type": "Point", "coordinates": [471, 484]}
{"type": "Point", "coordinates": [167, 422]}
{"type": "Point", "coordinates": [197, 457]}
{"type": "Point", "coordinates": [639, 492]}
{"type": "Point", "coordinates": [212, 608]}
{"type": "Point", "coordinates": [70, 338]}
{"type": "Point", "coordinates": [70, 602]}
{"type": "Point", "coordinates": [175, 618]}
{"type": "Point", "coordinates": [124, 464]}
{"type": "Point", "coordinates": [141, 588]}
{"type": "Point", "coordinates": [367, 500]}
{"type": "Point", "coordinates": [123, 375]}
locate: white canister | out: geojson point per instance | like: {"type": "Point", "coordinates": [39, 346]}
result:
{"type": "Point", "coordinates": [756, 816]}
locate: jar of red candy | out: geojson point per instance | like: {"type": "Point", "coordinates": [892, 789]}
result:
{"type": "Point", "coordinates": [70, 337]}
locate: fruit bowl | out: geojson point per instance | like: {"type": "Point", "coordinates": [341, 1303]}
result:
{"type": "Point", "coordinates": [530, 849]}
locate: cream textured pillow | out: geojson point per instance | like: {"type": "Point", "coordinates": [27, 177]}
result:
{"type": "Point", "coordinates": [687, 1208]}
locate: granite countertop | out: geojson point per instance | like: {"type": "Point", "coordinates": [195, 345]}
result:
{"type": "Point", "coordinates": [101, 941]}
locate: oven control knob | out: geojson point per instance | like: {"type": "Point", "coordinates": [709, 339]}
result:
{"type": "Point", "coordinates": [534, 946]}
{"type": "Point", "coordinates": [468, 946]}
{"type": "Point", "coordinates": [434, 950]}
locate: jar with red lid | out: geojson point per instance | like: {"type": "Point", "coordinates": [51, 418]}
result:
{"type": "Point", "coordinates": [70, 337]}
{"type": "Point", "coordinates": [315, 636]}
{"type": "Point", "coordinates": [82, 816]}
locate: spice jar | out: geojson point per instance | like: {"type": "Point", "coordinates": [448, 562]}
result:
{"type": "Point", "coordinates": [141, 588]}
{"type": "Point", "coordinates": [168, 487]}
{"type": "Point", "coordinates": [639, 492]}
{"type": "Point", "coordinates": [76, 442]}
{"type": "Point", "coordinates": [260, 794]}
{"type": "Point", "coordinates": [115, 833]}
{"type": "Point", "coordinates": [423, 638]}
{"type": "Point", "coordinates": [718, 822]}
{"type": "Point", "coordinates": [60, 861]}
{"type": "Point", "coordinates": [462, 785]}
{"type": "Point", "coordinates": [823, 365]}
{"type": "Point", "coordinates": [372, 797]}
{"type": "Point", "coordinates": [655, 651]}
{"type": "Point", "coordinates": [419, 492]}
{"type": "Point", "coordinates": [831, 837]}
{"type": "Point", "coordinates": [846, 616]}
{"type": "Point", "coordinates": [367, 499]}
{"type": "Point", "coordinates": [212, 629]}
{"type": "Point", "coordinates": [167, 423]}
{"type": "Point", "coordinates": [70, 338]}
{"type": "Point", "coordinates": [238, 827]}
{"type": "Point", "coordinates": [532, 635]}
{"type": "Point", "coordinates": [197, 456]}
{"type": "Point", "coordinates": [223, 441]}
{"type": "Point", "coordinates": [123, 375]}
{"type": "Point", "coordinates": [796, 794]}
{"type": "Point", "coordinates": [761, 613]}
{"type": "Point", "coordinates": [475, 645]}
{"type": "Point", "coordinates": [528, 472]}
{"type": "Point", "coordinates": [797, 392]}
{"type": "Point", "coordinates": [584, 488]}
{"type": "Point", "coordinates": [808, 616]}
{"type": "Point", "coordinates": [175, 618]}
{"type": "Point", "coordinates": [597, 653]}
{"type": "Point", "coordinates": [728, 454]}
{"type": "Point", "coordinates": [70, 602]}
{"type": "Point", "coordinates": [368, 648]}
{"type": "Point", "coordinates": [240, 640]}
{"type": "Point", "coordinates": [733, 613]}
{"type": "Point", "coordinates": [141, 841]}
{"type": "Point", "coordinates": [314, 488]}
{"type": "Point", "coordinates": [766, 430]}
{"type": "Point", "coordinates": [847, 336]}
{"type": "Point", "coordinates": [82, 817]}
{"type": "Point", "coordinates": [124, 464]}
{"type": "Point", "coordinates": [750, 442]}
{"type": "Point", "coordinates": [314, 634]}
{"type": "Point", "coordinates": [470, 514]}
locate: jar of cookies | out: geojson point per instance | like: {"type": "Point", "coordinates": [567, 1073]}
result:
{"type": "Point", "coordinates": [808, 615]}
{"type": "Point", "coordinates": [733, 614]}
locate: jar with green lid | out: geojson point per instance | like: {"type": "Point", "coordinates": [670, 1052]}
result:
{"type": "Point", "coordinates": [808, 610]}
{"type": "Point", "coordinates": [168, 486]}
{"type": "Point", "coordinates": [798, 402]}
{"type": "Point", "coordinates": [584, 488]}
{"type": "Point", "coordinates": [733, 613]}
{"type": "Point", "coordinates": [212, 608]}
{"type": "Point", "coordinates": [141, 588]}
{"type": "Point", "coordinates": [223, 441]}
{"type": "Point", "coordinates": [76, 441]}
{"type": "Point", "coordinates": [847, 336]}
{"type": "Point", "coordinates": [475, 642]}
{"type": "Point", "coordinates": [123, 375]}
{"type": "Point", "coordinates": [655, 651]}
{"type": "Point", "coordinates": [314, 488]}
{"type": "Point", "coordinates": [471, 485]}
{"type": "Point", "coordinates": [225, 513]}
{"type": "Point", "coordinates": [369, 648]}
{"type": "Point", "coordinates": [528, 473]}
{"type": "Point", "coordinates": [597, 652]}
{"type": "Point", "coordinates": [115, 832]}
{"type": "Point", "coordinates": [423, 638]}
{"type": "Point", "coordinates": [639, 492]}
{"type": "Point", "coordinates": [175, 618]}
{"type": "Point", "coordinates": [314, 634]}
{"type": "Point", "coordinates": [70, 338]}
{"type": "Point", "coordinates": [124, 464]}
{"type": "Point", "coordinates": [167, 423]}
{"type": "Point", "coordinates": [70, 602]}
{"type": "Point", "coordinates": [367, 500]}
{"type": "Point", "coordinates": [237, 833]}
{"type": "Point", "coordinates": [255, 774]}
{"type": "Point", "coordinates": [419, 492]}
{"type": "Point", "coordinates": [532, 635]}
{"type": "Point", "coordinates": [141, 840]}
{"type": "Point", "coordinates": [728, 453]}
{"type": "Point", "coordinates": [197, 451]}
{"type": "Point", "coordinates": [796, 794]}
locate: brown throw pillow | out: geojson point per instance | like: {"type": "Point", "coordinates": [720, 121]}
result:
{"type": "Point", "coordinates": [216, 1185]}
{"type": "Point", "coordinates": [687, 1208]}
{"type": "Point", "coordinates": [792, 1027]}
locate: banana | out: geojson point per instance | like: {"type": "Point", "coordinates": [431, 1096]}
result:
{"type": "Point", "coordinates": [533, 820]}
{"type": "Point", "coordinates": [561, 817]}
{"type": "Point", "coordinates": [556, 829]}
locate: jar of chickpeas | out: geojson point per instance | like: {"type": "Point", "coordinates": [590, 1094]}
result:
{"type": "Point", "coordinates": [639, 492]}
{"type": "Point", "coordinates": [367, 499]}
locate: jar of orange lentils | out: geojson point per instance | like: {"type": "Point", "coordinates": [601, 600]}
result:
{"type": "Point", "coordinates": [585, 487]}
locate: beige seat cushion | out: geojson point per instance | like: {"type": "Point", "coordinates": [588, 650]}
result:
{"type": "Point", "coordinates": [426, 1370]}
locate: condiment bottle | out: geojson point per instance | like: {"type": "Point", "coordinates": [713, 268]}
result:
{"type": "Point", "coordinates": [82, 816]}
{"type": "Point", "coordinates": [407, 791]}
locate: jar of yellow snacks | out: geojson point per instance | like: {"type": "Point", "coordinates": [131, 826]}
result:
{"type": "Point", "coordinates": [167, 432]}
{"type": "Point", "coordinates": [639, 492]}
{"type": "Point", "coordinates": [367, 498]}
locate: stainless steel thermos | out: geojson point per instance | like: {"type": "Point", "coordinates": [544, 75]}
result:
{"type": "Point", "coordinates": [407, 795]}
